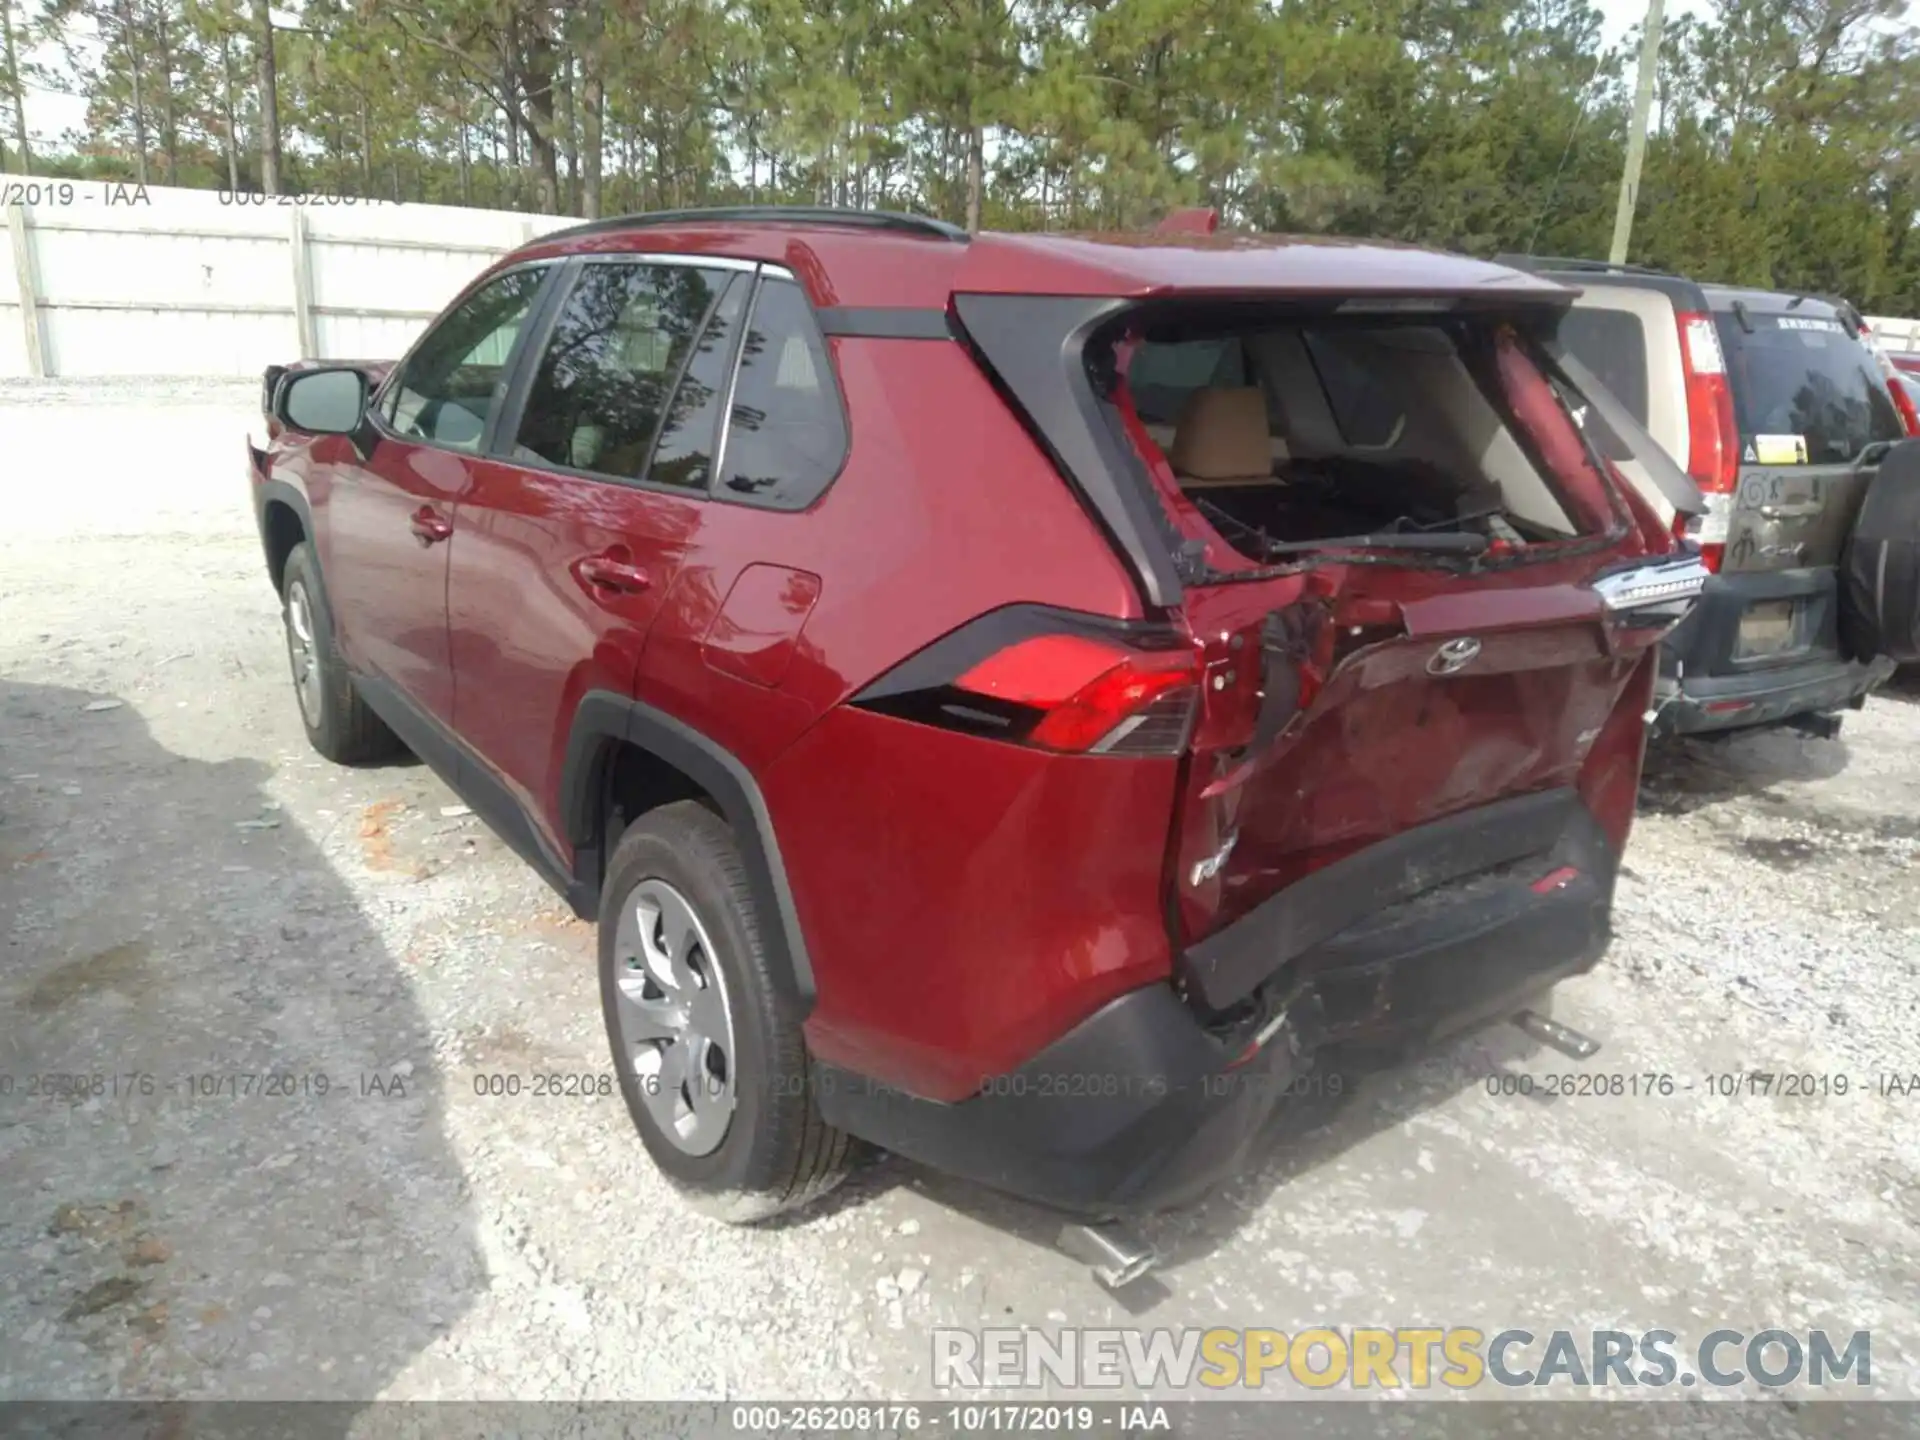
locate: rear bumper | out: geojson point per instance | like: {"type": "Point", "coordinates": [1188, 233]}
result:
{"type": "Point", "coordinates": [1143, 1105]}
{"type": "Point", "coordinates": [1703, 686]}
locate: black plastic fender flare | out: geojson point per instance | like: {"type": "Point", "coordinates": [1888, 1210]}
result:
{"type": "Point", "coordinates": [602, 722]}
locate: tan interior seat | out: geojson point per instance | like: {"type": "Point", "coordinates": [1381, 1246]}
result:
{"type": "Point", "coordinates": [1221, 439]}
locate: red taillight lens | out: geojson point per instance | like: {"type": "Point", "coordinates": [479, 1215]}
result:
{"type": "Point", "coordinates": [1713, 440]}
{"type": "Point", "coordinates": [1903, 402]}
{"type": "Point", "coordinates": [1077, 693]}
{"type": "Point", "coordinates": [1096, 698]}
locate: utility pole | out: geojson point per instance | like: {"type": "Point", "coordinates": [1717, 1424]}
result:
{"type": "Point", "coordinates": [1637, 133]}
{"type": "Point", "coordinates": [268, 85]}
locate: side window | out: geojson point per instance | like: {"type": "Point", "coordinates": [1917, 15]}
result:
{"type": "Point", "coordinates": [444, 393]}
{"type": "Point", "coordinates": [1163, 376]}
{"type": "Point", "coordinates": [684, 453]}
{"type": "Point", "coordinates": [786, 433]}
{"type": "Point", "coordinates": [1368, 413]}
{"type": "Point", "coordinates": [617, 349]}
{"type": "Point", "coordinates": [1612, 344]}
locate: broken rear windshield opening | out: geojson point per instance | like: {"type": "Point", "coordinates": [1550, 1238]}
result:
{"type": "Point", "coordinates": [1437, 435]}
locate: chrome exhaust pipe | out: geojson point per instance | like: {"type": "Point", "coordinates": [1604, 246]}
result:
{"type": "Point", "coordinates": [1116, 1255]}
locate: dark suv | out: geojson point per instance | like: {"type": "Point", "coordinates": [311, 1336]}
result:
{"type": "Point", "coordinates": [1781, 411]}
{"type": "Point", "coordinates": [1013, 699]}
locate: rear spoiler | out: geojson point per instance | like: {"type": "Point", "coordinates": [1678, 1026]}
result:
{"type": "Point", "coordinates": [1672, 482]}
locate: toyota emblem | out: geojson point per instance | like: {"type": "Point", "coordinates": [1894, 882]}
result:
{"type": "Point", "coordinates": [1454, 656]}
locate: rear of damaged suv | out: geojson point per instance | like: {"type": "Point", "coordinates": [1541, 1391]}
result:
{"type": "Point", "coordinates": [1355, 772]}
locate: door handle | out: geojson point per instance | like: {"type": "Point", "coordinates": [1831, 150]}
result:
{"type": "Point", "coordinates": [430, 527]}
{"type": "Point", "coordinates": [604, 572]}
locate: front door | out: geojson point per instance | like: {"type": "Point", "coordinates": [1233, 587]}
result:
{"type": "Point", "coordinates": [389, 518]}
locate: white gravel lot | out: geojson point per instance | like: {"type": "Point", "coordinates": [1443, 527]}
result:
{"type": "Point", "coordinates": [186, 891]}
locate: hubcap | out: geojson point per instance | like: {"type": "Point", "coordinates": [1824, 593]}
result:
{"type": "Point", "coordinates": [674, 1019]}
{"type": "Point", "coordinates": [300, 652]}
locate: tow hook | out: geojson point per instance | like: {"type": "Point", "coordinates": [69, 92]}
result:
{"type": "Point", "coordinates": [1115, 1253]}
{"type": "Point", "coordinates": [1554, 1035]}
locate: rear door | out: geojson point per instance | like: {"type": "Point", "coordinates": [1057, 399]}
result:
{"type": "Point", "coordinates": [574, 527]}
{"type": "Point", "coordinates": [1813, 414]}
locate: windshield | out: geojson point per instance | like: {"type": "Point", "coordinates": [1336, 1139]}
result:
{"type": "Point", "coordinates": [1806, 377]}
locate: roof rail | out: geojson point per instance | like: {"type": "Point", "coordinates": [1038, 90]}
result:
{"type": "Point", "coordinates": [896, 220]}
{"type": "Point", "coordinates": [1565, 262]}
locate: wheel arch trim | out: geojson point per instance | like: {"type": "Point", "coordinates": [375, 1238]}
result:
{"type": "Point", "coordinates": [604, 721]}
{"type": "Point", "coordinates": [270, 493]}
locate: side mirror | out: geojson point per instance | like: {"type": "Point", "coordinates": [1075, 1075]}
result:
{"type": "Point", "coordinates": [322, 402]}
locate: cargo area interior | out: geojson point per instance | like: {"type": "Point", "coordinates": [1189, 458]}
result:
{"type": "Point", "coordinates": [1311, 427]}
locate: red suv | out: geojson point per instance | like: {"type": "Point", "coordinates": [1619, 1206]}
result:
{"type": "Point", "coordinates": [1012, 699]}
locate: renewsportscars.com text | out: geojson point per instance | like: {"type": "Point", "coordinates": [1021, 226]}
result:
{"type": "Point", "coordinates": [1407, 1358]}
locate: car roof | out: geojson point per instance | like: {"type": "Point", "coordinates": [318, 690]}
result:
{"type": "Point", "coordinates": [1588, 274]}
{"type": "Point", "coordinates": [1773, 302]}
{"type": "Point", "coordinates": [885, 259]}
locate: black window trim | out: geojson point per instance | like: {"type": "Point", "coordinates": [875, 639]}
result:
{"type": "Point", "coordinates": [536, 315]}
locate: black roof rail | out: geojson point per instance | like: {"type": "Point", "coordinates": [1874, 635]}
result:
{"type": "Point", "coordinates": [1565, 262]}
{"type": "Point", "coordinates": [895, 220]}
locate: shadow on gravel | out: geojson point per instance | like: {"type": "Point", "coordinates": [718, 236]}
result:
{"type": "Point", "coordinates": [1358, 1099]}
{"type": "Point", "coordinates": [1689, 773]}
{"type": "Point", "coordinates": [223, 1168]}
{"type": "Point", "coordinates": [1903, 685]}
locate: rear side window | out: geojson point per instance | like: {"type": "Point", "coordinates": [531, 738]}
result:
{"type": "Point", "coordinates": [615, 354]}
{"type": "Point", "coordinates": [445, 388]}
{"type": "Point", "coordinates": [786, 435]}
{"type": "Point", "coordinates": [1164, 374]}
{"type": "Point", "coordinates": [1804, 376]}
{"type": "Point", "coordinates": [1612, 344]}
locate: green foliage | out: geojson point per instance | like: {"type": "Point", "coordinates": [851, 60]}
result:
{"type": "Point", "coordinates": [1785, 148]}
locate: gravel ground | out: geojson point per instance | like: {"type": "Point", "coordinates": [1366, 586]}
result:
{"type": "Point", "coordinates": [189, 895]}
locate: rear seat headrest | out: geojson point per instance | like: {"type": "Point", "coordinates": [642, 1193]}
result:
{"type": "Point", "coordinates": [1222, 435]}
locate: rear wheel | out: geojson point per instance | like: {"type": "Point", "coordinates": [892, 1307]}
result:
{"type": "Point", "coordinates": [339, 723]}
{"type": "Point", "coordinates": [714, 1073]}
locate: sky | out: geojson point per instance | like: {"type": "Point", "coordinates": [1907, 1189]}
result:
{"type": "Point", "coordinates": [50, 115]}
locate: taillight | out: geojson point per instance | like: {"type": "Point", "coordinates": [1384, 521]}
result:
{"type": "Point", "coordinates": [1713, 440]}
{"type": "Point", "coordinates": [1064, 689]}
{"type": "Point", "coordinates": [1903, 402]}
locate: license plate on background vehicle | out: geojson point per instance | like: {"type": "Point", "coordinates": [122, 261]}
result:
{"type": "Point", "coordinates": [1768, 629]}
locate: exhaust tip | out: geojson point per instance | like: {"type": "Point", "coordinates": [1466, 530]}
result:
{"type": "Point", "coordinates": [1115, 1253]}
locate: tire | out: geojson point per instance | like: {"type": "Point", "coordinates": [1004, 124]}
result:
{"type": "Point", "coordinates": [1879, 611]}
{"type": "Point", "coordinates": [754, 1145]}
{"type": "Point", "coordinates": [338, 722]}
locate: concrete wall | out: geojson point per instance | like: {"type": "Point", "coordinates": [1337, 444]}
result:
{"type": "Point", "coordinates": [120, 280]}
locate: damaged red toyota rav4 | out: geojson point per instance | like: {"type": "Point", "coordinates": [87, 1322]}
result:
{"type": "Point", "coordinates": [1011, 699]}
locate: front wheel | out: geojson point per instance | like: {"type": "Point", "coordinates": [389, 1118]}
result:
{"type": "Point", "coordinates": [715, 1075]}
{"type": "Point", "coordinates": [339, 724]}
